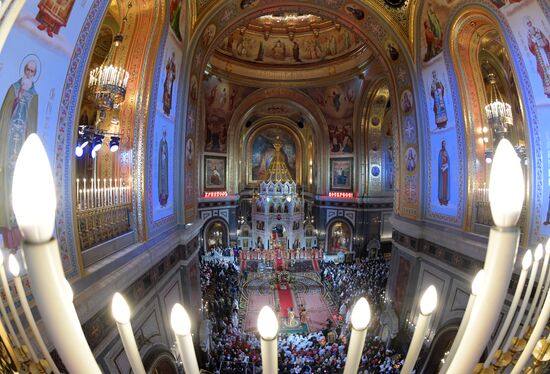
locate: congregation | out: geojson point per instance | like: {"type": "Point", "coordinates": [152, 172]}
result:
{"type": "Point", "coordinates": [234, 351]}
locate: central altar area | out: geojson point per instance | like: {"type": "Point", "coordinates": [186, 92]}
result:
{"type": "Point", "coordinates": [277, 209]}
{"type": "Point", "coordinates": [296, 295]}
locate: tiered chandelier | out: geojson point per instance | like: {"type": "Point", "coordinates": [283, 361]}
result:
{"type": "Point", "coordinates": [499, 113]}
{"type": "Point", "coordinates": [108, 82]}
{"type": "Point", "coordinates": [107, 86]}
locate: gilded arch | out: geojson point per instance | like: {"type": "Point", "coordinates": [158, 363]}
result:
{"type": "Point", "coordinates": [372, 27]}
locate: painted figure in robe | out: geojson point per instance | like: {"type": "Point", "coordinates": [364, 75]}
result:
{"type": "Point", "coordinates": [169, 84]}
{"type": "Point", "coordinates": [53, 14]}
{"type": "Point", "coordinates": [437, 92]}
{"type": "Point", "coordinates": [539, 46]}
{"type": "Point", "coordinates": [444, 187]}
{"type": "Point", "coordinates": [163, 170]}
{"type": "Point", "coordinates": [18, 119]}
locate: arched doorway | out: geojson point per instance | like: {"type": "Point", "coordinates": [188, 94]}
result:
{"type": "Point", "coordinates": [339, 237]}
{"type": "Point", "coordinates": [160, 360]}
{"type": "Point", "coordinates": [442, 343]}
{"type": "Point", "coordinates": [216, 235]}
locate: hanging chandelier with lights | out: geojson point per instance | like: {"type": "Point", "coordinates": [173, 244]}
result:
{"type": "Point", "coordinates": [107, 83]}
{"type": "Point", "coordinates": [107, 86]}
{"type": "Point", "coordinates": [499, 112]}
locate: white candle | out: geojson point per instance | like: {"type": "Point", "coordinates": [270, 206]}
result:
{"type": "Point", "coordinates": [519, 316]}
{"type": "Point", "coordinates": [545, 288]}
{"type": "Point", "coordinates": [268, 328]}
{"type": "Point", "coordinates": [5, 316]}
{"type": "Point", "coordinates": [120, 188]}
{"type": "Point", "coordinates": [34, 205]}
{"type": "Point", "coordinates": [104, 191]}
{"type": "Point", "coordinates": [92, 197]}
{"type": "Point", "coordinates": [85, 193]}
{"type": "Point", "coordinates": [111, 199]}
{"type": "Point", "coordinates": [428, 303]}
{"type": "Point", "coordinates": [477, 283]}
{"type": "Point", "coordinates": [506, 194]}
{"type": "Point", "coordinates": [116, 193]}
{"type": "Point", "coordinates": [98, 193]}
{"type": "Point", "coordinates": [15, 315]}
{"type": "Point", "coordinates": [14, 270]}
{"type": "Point", "coordinates": [360, 318]}
{"type": "Point", "coordinates": [78, 200]}
{"type": "Point", "coordinates": [535, 335]}
{"type": "Point", "coordinates": [121, 313]}
{"type": "Point", "coordinates": [538, 253]}
{"type": "Point", "coordinates": [525, 265]}
{"type": "Point", "coordinates": [181, 325]}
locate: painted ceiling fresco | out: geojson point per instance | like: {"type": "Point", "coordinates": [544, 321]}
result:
{"type": "Point", "coordinates": [290, 39]}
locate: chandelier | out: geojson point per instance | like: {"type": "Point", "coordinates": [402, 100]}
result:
{"type": "Point", "coordinates": [499, 113]}
{"type": "Point", "coordinates": [107, 86]}
{"type": "Point", "coordinates": [108, 82]}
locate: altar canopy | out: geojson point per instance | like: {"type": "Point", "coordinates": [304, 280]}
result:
{"type": "Point", "coordinates": [278, 212]}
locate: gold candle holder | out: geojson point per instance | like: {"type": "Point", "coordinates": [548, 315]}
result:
{"type": "Point", "coordinates": [518, 344]}
{"type": "Point", "coordinates": [541, 354]}
{"type": "Point", "coordinates": [480, 369]}
{"type": "Point", "coordinates": [503, 359]}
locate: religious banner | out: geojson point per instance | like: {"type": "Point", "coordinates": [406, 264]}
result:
{"type": "Point", "coordinates": [214, 173]}
{"type": "Point", "coordinates": [341, 174]}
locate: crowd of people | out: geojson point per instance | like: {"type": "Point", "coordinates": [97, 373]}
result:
{"type": "Point", "coordinates": [234, 351]}
{"type": "Point", "coordinates": [348, 282]}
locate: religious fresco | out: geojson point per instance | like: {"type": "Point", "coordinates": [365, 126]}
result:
{"type": "Point", "coordinates": [177, 18]}
{"type": "Point", "coordinates": [33, 70]}
{"type": "Point", "coordinates": [163, 128]}
{"type": "Point", "coordinates": [214, 173]}
{"type": "Point", "coordinates": [434, 20]}
{"type": "Point", "coordinates": [163, 170]}
{"type": "Point", "coordinates": [263, 151]}
{"type": "Point", "coordinates": [407, 202]}
{"type": "Point", "coordinates": [290, 49]}
{"type": "Point", "coordinates": [531, 30]}
{"type": "Point", "coordinates": [410, 159]}
{"type": "Point", "coordinates": [445, 192]}
{"type": "Point", "coordinates": [341, 174]}
{"type": "Point", "coordinates": [337, 104]}
{"type": "Point", "coordinates": [168, 101]}
{"type": "Point", "coordinates": [221, 98]}
{"type": "Point", "coordinates": [339, 237]}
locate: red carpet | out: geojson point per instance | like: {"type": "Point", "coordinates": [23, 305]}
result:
{"type": "Point", "coordinates": [279, 264]}
{"type": "Point", "coordinates": [285, 300]}
{"type": "Point", "coordinates": [315, 265]}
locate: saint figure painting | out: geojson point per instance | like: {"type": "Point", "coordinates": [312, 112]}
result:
{"type": "Point", "coordinates": [18, 118]}
{"type": "Point", "coordinates": [163, 170]}
{"type": "Point", "coordinates": [539, 46]}
{"type": "Point", "coordinates": [53, 14]}
{"type": "Point", "coordinates": [169, 84]}
{"type": "Point", "coordinates": [443, 172]}
{"type": "Point", "coordinates": [437, 92]}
